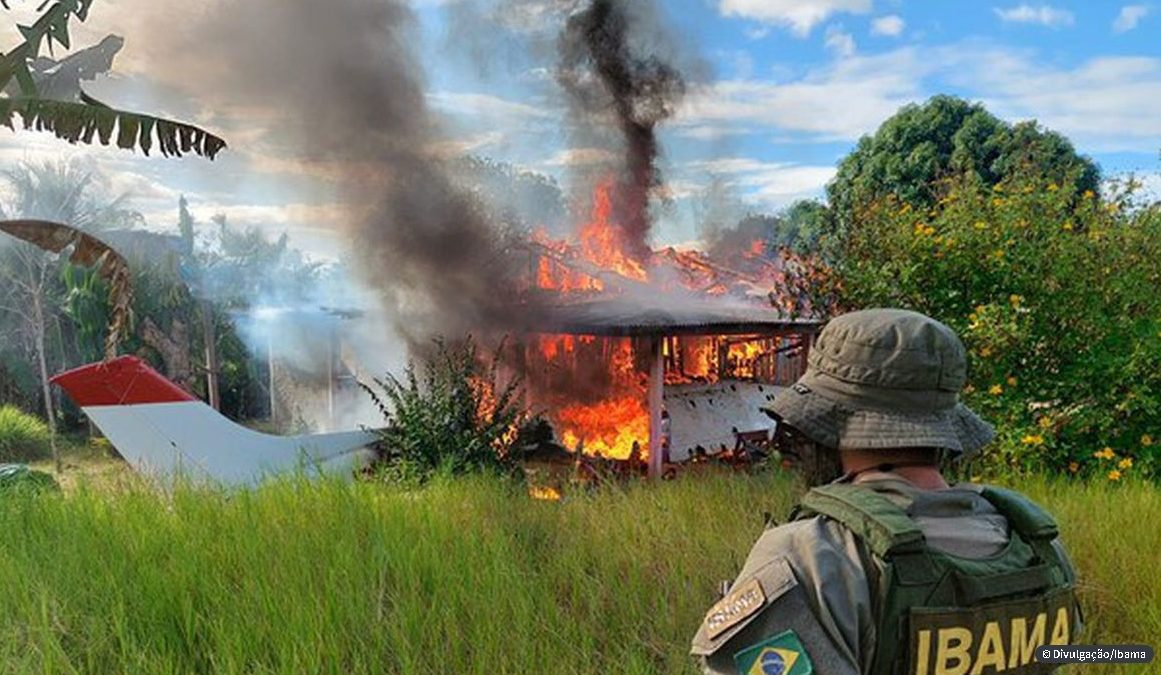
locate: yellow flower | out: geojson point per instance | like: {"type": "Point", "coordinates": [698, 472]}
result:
{"type": "Point", "coordinates": [997, 188]}
{"type": "Point", "coordinates": [1067, 227]}
{"type": "Point", "coordinates": [999, 253]}
{"type": "Point", "coordinates": [996, 201]}
{"type": "Point", "coordinates": [1015, 299]}
{"type": "Point", "coordinates": [1125, 463]}
{"type": "Point", "coordinates": [1088, 194]}
{"type": "Point", "coordinates": [1073, 467]}
{"type": "Point", "coordinates": [985, 352]}
{"type": "Point", "coordinates": [1045, 422]}
{"type": "Point", "coordinates": [1011, 381]}
{"type": "Point", "coordinates": [1106, 453]}
{"type": "Point", "coordinates": [1146, 440]}
{"type": "Point", "coordinates": [1053, 187]}
{"type": "Point", "coordinates": [995, 390]}
{"type": "Point", "coordinates": [929, 230]}
{"type": "Point", "coordinates": [1114, 475]}
{"type": "Point", "coordinates": [906, 209]}
{"type": "Point", "coordinates": [981, 225]}
{"type": "Point", "coordinates": [1032, 439]}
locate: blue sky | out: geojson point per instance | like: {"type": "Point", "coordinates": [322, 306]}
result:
{"type": "Point", "coordinates": [781, 91]}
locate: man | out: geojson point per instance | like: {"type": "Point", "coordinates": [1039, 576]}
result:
{"type": "Point", "coordinates": [885, 568]}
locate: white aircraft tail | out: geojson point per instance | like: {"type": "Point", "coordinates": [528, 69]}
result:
{"type": "Point", "coordinates": [163, 431]}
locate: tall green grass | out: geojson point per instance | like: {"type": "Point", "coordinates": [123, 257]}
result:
{"type": "Point", "coordinates": [463, 577]}
{"type": "Point", "coordinates": [23, 437]}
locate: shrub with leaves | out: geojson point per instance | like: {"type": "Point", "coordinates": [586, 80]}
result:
{"type": "Point", "coordinates": [453, 416]}
{"type": "Point", "coordinates": [1054, 291]}
{"type": "Point", "coordinates": [23, 437]}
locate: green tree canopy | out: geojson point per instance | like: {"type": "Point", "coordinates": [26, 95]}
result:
{"type": "Point", "coordinates": [916, 151]}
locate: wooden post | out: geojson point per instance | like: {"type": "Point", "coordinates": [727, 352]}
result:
{"type": "Point", "coordinates": [656, 389]}
{"type": "Point", "coordinates": [270, 367]}
{"type": "Point", "coordinates": [211, 353]}
{"type": "Point", "coordinates": [333, 351]}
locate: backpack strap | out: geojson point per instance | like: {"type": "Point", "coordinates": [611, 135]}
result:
{"type": "Point", "coordinates": [885, 527]}
{"type": "Point", "coordinates": [1033, 524]}
{"type": "Point", "coordinates": [1026, 517]}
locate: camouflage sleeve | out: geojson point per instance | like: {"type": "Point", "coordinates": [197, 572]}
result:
{"type": "Point", "coordinates": [801, 600]}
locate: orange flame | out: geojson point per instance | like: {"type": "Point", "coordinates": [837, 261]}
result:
{"type": "Point", "coordinates": [601, 242]}
{"type": "Point", "coordinates": [610, 428]}
{"type": "Point", "coordinates": [544, 493]}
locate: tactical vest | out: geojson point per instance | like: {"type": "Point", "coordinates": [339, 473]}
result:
{"type": "Point", "coordinates": [937, 613]}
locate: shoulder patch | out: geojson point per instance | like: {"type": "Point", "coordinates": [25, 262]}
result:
{"type": "Point", "coordinates": [782, 654]}
{"type": "Point", "coordinates": [738, 605]}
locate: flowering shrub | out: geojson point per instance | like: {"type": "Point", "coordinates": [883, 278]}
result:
{"type": "Point", "coordinates": [1055, 295]}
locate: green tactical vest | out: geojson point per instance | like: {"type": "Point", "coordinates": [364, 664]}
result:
{"type": "Point", "coordinates": [937, 613]}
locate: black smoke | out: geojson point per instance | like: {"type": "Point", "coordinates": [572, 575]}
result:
{"type": "Point", "coordinates": [606, 67]}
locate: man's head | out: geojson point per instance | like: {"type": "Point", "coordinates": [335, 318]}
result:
{"type": "Point", "coordinates": [882, 381]}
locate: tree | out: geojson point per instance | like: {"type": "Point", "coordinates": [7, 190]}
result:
{"type": "Point", "coordinates": [1056, 302]}
{"type": "Point", "coordinates": [33, 292]}
{"type": "Point", "coordinates": [84, 119]}
{"type": "Point", "coordinates": [915, 153]}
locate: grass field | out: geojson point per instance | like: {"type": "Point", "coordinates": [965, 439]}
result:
{"type": "Point", "coordinates": [470, 577]}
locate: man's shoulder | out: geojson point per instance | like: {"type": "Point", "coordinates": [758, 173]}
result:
{"type": "Point", "coordinates": [802, 578]}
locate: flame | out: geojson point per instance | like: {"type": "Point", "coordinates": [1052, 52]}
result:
{"type": "Point", "coordinates": [743, 356]}
{"type": "Point", "coordinates": [609, 428]}
{"type": "Point", "coordinates": [607, 414]}
{"type": "Point", "coordinates": [544, 493]}
{"type": "Point", "coordinates": [601, 241]}
{"type": "Point", "coordinates": [552, 346]}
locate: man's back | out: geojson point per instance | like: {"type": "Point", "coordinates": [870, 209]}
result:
{"type": "Point", "coordinates": [818, 581]}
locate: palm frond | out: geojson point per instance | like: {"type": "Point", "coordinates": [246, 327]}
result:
{"type": "Point", "coordinates": [91, 121]}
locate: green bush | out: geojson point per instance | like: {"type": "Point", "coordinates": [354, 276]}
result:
{"type": "Point", "coordinates": [1055, 295]}
{"type": "Point", "coordinates": [455, 419]}
{"type": "Point", "coordinates": [23, 437]}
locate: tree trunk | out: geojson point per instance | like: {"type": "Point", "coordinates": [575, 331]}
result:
{"type": "Point", "coordinates": [42, 363]}
{"type": "Point", "coordinates": [174, 350]}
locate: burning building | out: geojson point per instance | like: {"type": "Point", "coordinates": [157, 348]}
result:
{"type": "Point", "coordinates": [657, 359]}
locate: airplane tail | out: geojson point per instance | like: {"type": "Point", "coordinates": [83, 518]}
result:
{"type": "Point", "coordinates": [162, 430]}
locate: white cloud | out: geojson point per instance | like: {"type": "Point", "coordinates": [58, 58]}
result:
{"type": "Point", "coordinates": [1129, 17]}
{"type": "Point", "coordinates": [801, 16]}
{"type": "Point", "coordinates": [840, 42]}
{"type": "Point", "coordinates": [840, 101]}
{"type": "Point", "coordinates": [891, 25]}
{"type": "Point", "coordinates": [581, 157]}
{"type": "Point", "coordinates": [1042, 14]}
{"type": "Point", "coordinates": [772, 184]}
{"type": "Point", "coordinates": [1104, 104]}
{"type": "Point", "coordinates": [472, 104]}
{"type": "Point", "coordinates": [458, 147]}
{"type": "Point", "coordinates": [711, 132]}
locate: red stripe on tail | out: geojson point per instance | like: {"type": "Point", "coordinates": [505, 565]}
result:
{"type": "Point", "coordinates": [126, 380]}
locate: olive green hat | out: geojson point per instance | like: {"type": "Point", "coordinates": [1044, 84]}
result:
{"type": "Point", "coordinates": [884, 378]}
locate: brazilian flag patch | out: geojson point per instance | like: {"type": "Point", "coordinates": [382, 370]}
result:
{"type": "Point", "coordinates": [780, 655]}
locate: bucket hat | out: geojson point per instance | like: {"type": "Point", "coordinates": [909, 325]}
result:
{"type": "Point", "coordinates": [884, 378]}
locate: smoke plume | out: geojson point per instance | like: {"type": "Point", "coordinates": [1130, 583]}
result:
{"type": "Point", "coordinates": [604, 66]}
{"type": "Point", "coordinates": [344, 99]}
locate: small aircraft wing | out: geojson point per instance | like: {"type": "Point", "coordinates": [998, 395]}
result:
{"type": "Point", "coordinates": [163, 431]}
